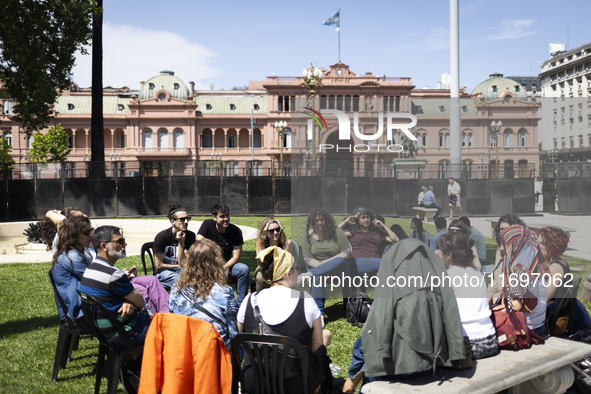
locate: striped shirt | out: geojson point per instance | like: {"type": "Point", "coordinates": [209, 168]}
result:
{"type": "Point", "coordinates": [109, 285]}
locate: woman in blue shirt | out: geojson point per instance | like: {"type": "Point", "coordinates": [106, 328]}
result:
{"type": "Point", "coordinates": [202, 292]}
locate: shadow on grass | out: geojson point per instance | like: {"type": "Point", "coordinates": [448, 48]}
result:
{"type": "Point", "coordinates": [15, 327]}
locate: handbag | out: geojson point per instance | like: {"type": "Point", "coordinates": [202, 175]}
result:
{"type": "Point", "coordinates": [453, 199]}
{"type": "Point", "coordinates": [357, 308]}
{"type": "Point", "coordinates": [292, 364]}
{"type": "Point", "coordinates": [512, 330]}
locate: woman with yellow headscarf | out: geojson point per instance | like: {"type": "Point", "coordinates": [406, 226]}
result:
{"type": "Point", "coordinates": [289, 312]}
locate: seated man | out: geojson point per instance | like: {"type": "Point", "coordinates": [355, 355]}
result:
{"type": "Point", "coordinates": [478, 238]}
{"type": "Point", "coordinates": [170, 246]}
{"type": "Point", "coordinates": [441, 226]}
{"type": "Point", "coordinates": [229, 238]}
{"type": "Point", "coordinates": [112, 288]}
{"type": "Point", "coordinates": [429, 201]}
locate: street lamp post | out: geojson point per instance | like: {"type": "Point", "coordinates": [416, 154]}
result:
{"type": "Point", "coordinates": [281, 126]}
{"type": "Point", "coordinates": [495, 127]}
{"type": "Point", "coordinates": [313, 81]}
{"type": "Point", "coordinates": [482, 155]}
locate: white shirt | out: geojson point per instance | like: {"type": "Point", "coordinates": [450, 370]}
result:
{"type": "Point", "coordinates": [454, 189]}
{"type": "Point", "coordinates": [472, 298]}
{"type": "Point", "coordinates": [278, 303]}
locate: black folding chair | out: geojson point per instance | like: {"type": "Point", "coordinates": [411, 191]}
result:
{"type": "Point", "coordinates": [148, 248]}
{"type": "Point", "coordinates": [115, 359]}
{"type": "Point", "coordinates": [68, 336]}
{"type": "Point", "coordinates": [555, 314]}
{"type": "Point", "coordinates": [268, 356]}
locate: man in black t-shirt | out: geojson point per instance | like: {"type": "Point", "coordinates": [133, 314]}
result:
{"type": "Point", "coordinates": [229, 237]}
{"type": "Point", "coordinates": [170, 246]}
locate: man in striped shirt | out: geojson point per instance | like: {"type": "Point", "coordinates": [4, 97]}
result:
{"type": "Point", "coordinates": [112, 288]}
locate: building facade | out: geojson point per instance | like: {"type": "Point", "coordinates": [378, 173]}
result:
{"type": "Point", "coordinates": [210, 132]}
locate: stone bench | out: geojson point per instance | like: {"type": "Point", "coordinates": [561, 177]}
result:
{"type": "Point", "coordinates": [533, 227]}
{"type": "Point", "coordinates": [425, 214]}
{"type": "Point", "coordinates": [540, 369]}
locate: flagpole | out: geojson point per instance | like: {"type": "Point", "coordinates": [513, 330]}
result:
{"type": "Point", "coordinates": [339, 35]}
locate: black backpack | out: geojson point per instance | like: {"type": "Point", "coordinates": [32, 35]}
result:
{"type": "Point", "coordinates": [358, 307]}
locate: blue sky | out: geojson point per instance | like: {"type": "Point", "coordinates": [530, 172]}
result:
{"type": "Point", "coordinates": [228, 43]}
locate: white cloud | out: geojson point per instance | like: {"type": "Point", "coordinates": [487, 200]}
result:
{"type": "Point", "coordinates": [432, 39]}
{"type": "Point", "coordinates": [131, 55]}
{"type": "Point", "coordinates": [513, 29]}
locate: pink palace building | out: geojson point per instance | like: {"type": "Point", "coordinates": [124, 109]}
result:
{"type": "Point", "coordinates": [208, 132]}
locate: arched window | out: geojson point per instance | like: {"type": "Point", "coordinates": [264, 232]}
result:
{"type": "Point", "coordinates": [391, 106]}
{"type": "Point", "coordinates": [178, 139]}
{"type": "Point", "coordinates": [385, 103]}
{"type": "Point", "coordinates": [508, 167]}
{"type": "Point", "coordinates": [257, 139]}
{"type": "Point", "coordinates": [287, 138]}
{"type": "Point", "coordinates": [163, 139]}
{"type": "Point", "coordinates": [397, 108]}
{"type": "Point", "coordinates": [447, 140]}
{"type": "Point", "coordinates": [280, 103]}
{"type": "Point", "coordinates": [521, 138]}
{"type": "Point", "coordinates": [347, 103]}
{"type": "Point", "coordinates": [522, 168]}
{"type": "Point", "coordinates": [293, 104]}
{"type": "Point", "coordinates": [468, 169]}
{"type": "Point", "coordinates": [286, 106]}
{"type": "Point", "coordinates": [231, 139]}
{"type": "Point", "coordinates": [470, 140]}
{"type": "Point", "coordinates": [424, 140]}
{"type": "Point", "coordinates": [331, 102]}
{"type": "Point", "coordinates": [441, 140]}
{"type": "Point", "coordinates": [147, 139]}
{"type": "Point", "coordinates": [323, 102]}
{"type": "Point", "coordinates": [340, 102]}
{"type": "Point", "coordinates": [443, 169]}
{"type": "Point", "coordinates": [464, 140]}
{"type": "Point", "coordinates": [507, 138]}
{"type": "Point", "coordinates": [8, 136]}
{"type": "Point", "coordinates": [355, 103]}
{"type": "Point", "coordinates": [493, 140]}
{"type": "Point", "coordinates": [207, 138]}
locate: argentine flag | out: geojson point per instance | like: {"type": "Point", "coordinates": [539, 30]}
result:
{"type": "Point", "coordinates": [333, 20]}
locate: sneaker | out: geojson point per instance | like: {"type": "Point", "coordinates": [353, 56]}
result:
{"type": "Point", "coordinates": [451, 218]}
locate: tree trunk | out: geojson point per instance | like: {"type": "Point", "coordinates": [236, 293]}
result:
{"type": "Point", "coordinates": [97, 142]}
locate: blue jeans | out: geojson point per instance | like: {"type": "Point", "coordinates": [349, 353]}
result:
{"type": "Point", "coordinates": [368, 265]}
{"type": "Point", "coordinates": [169, 277]}
{"type": "Point", "coordinates": [240, 273]}
{"type": "Point", "coordinates": [439, 209]}
{"type": "Point", "coordinates": [337, 266]}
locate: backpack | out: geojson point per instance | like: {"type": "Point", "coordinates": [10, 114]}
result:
{"type": "Point", "coordinates": [357, 308]}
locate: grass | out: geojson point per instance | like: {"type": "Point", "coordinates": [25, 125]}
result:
{"type": "Point", "coordinates": [29, 320]}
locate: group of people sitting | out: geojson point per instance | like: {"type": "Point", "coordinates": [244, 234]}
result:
{"type": "Point", "coordinates": [197, 270]}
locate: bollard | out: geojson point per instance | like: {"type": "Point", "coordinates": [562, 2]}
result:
{"type": "Point", "coordinates": [587, 288]}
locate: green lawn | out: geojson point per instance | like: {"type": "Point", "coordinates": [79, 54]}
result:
{"type": "Point", "coordinates": [29, 320]}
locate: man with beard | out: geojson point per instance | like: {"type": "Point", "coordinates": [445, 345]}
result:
{"type": "Point", "coordinates": [170, 245]}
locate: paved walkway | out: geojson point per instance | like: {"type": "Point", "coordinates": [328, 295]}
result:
{"type": "Point", "coordinates": [136, 233]}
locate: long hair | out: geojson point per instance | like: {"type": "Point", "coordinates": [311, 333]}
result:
{"type": "Point", "coordinates": [203, 268]}
{"type": "Point", "coordinates": [511, 220]}
{"type": "Point", "coordinates": [418, 234]}
{"type": "Point", "coordinates": [264, 240]}
{"type": "Point", "coordinates": [68, 236]}
{"type": "Point", "coordinates": [329, 225]}
{"type": "Point", "coordinates": [399, 231]}
{"type": "Point", "coordinates": [364, 211]}
{"type": "Point", "coordinates": [460, 247]}
{"type": "Point", "coordinates": [48, 230]}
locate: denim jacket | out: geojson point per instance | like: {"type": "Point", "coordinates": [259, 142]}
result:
{"type": "Point", "coordinates": [67, 274]}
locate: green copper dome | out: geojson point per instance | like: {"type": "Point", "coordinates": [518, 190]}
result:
{"type": "Point", "coordinates": [167, 81]}
{"type": "Point", "coordinates": [496, 85]}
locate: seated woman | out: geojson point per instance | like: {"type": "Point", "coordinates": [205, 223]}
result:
{"type": "Point", "coordinates": [418, 232]}
{"type": "Point", "coordinates": [325, 248]}
{"type": "Point", "coordinates": [52, 222]}
{"type": "Point", "coordinates": [270, 234]}
{"type": "Point", "coordinates": [70, 263]}
{"type": "Point", "coordinates": [553, 242]}
{"type": "Point", "coordinates": [366, 236]}
{"type": "Point", "coordinates": [521, 255]}
{"type": "Point", "coordinates": [456, 251]}
{"type": "Point", "coordinates": [201, 290]}
{"type": "Point", "coordinates": [290, 313]}
{"type": "Point", "coordinates": [457, 225]}
{"type": "Point", "coordinates": [421, 199]}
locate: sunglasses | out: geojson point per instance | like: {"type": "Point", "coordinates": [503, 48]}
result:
{"type": "Point", "coordinates": [275, 230]}
{"type": "Point", "coordinates": [120, 241]}
{"type": "Point", "coordinates": [186, 218]}
{"type": "Point", "coordinates": [88, 232]}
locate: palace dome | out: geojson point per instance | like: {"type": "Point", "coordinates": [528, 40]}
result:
{"type": "Point", "coordinates": [496, 86]}
{"type": "Point", "coordinates": [165, 81]}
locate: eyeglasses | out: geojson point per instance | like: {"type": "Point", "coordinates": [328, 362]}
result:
{"type": "Point", "coordinates": [120, 241]}
{"type": "Point", "coordinates": [88, 232]}
{"type": "Point", "coordinates": [186, 218]}
{"type": "Point", "coordinates": [274, 230]}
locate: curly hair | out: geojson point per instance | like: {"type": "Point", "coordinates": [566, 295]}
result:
{"type": "Point", "coordinates": [459, 245]}
{"type": "Point", "coordinates": [555, 240]}
{"type": "Point", "coordinates": [511, 220]}
{"type": "Point", "coordinates": [173, 209]}
{"type": "Point", "coordinates": [329, 225]}
{"type": "Point", "coordinates": [263, 239]}
{"type": "Point", "coordinates": [48, 230]}
{"type": "Point", "coordinates": [364, 211]}
{"type": "Point", "coordinates": [68, 236]}
{"type": "Point", "coordinates": [203, 268]}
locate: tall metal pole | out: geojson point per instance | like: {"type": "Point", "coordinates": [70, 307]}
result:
{"type": "Point", "coordinates": [455, 123]}
{"type": "Point", "coordinates": [252, 139]}
{"type": "Point", "coordinates": [313, 95]}
{"type": "Point", "coordinates": [339, 35]}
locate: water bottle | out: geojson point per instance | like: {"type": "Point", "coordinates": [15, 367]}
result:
{"type": "Point", "coordinates": [334, 369]}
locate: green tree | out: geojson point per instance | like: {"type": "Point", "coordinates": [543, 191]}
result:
{"type": "Point", "coordinates": [51, 147]}
{"type": "Point", "coordinates": [38, 41]}
{"type": "Point", "coordinates": [6, 161]}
